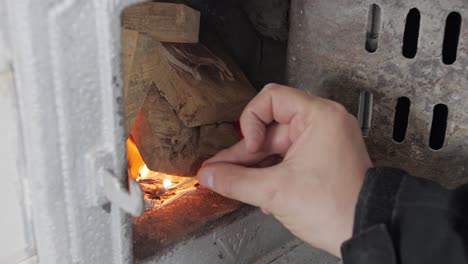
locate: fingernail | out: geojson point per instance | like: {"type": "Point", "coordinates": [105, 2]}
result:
{"type": "Point", "coordinates": [205, 178]}
{"type": "Point", "coordinates": [269, 85]}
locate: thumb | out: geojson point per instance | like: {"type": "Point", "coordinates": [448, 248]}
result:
{"type": "Point", "coordinates": [255, 186]}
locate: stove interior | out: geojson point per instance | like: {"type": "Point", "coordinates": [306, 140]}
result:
{"type": "Point", "coordinates": [189, 68]}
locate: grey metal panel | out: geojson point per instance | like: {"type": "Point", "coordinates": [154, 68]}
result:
{"type": "Point", "coordinates": [245, 240]}
{"type": "Point", "coordinates": [327, 56]}
{"type": "Point", "coordinates": [298, 252]}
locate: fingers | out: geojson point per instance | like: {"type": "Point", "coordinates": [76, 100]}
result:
{"type": "Point", "coordinates": [274, 103]}
{"type": "Point", "coordinates": [269, 161]}
{"type": "Point", "coordinates": [249, 185]}
{"type": "Point", "coordinates": [276, 142]}
{"type": "Point", "coordinates": [238, 154]}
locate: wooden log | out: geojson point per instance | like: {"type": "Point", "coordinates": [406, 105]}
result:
{"type": "Point", "coordinates": [167, 145]}
{"type": "Point", "coordinates": [129, 44]}
{"type": "Point", "coordinates": [167, 22]}
{"type": "Point", "coordinates": [141, 72]}
{"type": "Point", "coordinates": [214, 138]}
{"type": "Point", "coordinates": [202, 86]}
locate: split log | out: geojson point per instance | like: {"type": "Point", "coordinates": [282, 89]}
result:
{"type": "Point", "coordinates": [129, 43]}
{"type": "Point", "coordinates": [167, 22]}
{"type": "Point", "coordinates": [214, 138]}
{"type": "Point", "coordinates": [141, 74]}
{"type": "Point", "coordinates": [167, 145]}
{"type": "Point", "coordinates": [202, 86]}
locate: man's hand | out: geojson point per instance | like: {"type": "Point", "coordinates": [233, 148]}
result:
{"type": "Point", "coordinates": [313, 191]}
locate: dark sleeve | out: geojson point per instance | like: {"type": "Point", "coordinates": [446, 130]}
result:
{"type": "Point", "coordinates": [402, 219]}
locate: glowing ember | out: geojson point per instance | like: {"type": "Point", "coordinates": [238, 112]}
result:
{"type": "Point", "coordinates": [167, 183]}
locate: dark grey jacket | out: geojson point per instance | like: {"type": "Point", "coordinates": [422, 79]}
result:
{"type": "Point", "coordinates": [402, 219]}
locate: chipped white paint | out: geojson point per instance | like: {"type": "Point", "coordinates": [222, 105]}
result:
{"type": "Point", "coordinates": [16, 238]}
{"type": "Point", "coordinates": [67, 104]}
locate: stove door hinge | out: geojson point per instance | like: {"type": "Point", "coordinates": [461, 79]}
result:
{"type": "Point", "coordinates": [104, 186]}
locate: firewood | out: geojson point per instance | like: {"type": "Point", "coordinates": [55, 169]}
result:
{"type": "Point", "coordinates": [167, 22]}
{"type": "Point", "coordinates": [167, 145]}
{"type": "Point", "coordinates": [140, 77]}
{"type": "Point", "coordinates": [129, 42]}
{"type": "Point", "coordinates": [202, 86]}
{"type": "Point", "coordinates": [214, 138]}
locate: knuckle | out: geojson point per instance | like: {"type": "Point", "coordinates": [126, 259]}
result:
{"type": "Point", "coordinates": [249, 113]}
{"type": "Point", "coordinates": [337, 112]}
{"type": "Point", "coordinates": [338, 108]}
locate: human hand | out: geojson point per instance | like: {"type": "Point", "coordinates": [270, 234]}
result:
{"type": "Point", "coordinates": [313, 191]}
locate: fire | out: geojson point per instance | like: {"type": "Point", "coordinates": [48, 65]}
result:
{"type": "Point", "coordinates": [143, 171]}
{"type": "Point", "coordinates": [135, 162]}
{"type": "Point", "coordinates": [160, 188]}
{"type": "Point", "coordinates": [167, 183]}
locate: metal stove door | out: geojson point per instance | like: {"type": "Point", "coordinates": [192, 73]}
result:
{"type": "Point", "coordinates": [69, 90]}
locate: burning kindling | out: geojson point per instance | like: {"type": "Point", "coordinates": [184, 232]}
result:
{"type": "Point", "coordinates": [160, 188]}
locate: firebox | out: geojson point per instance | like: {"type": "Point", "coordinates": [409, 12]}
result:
{"type": "Point", "coordinates": [183, 92]}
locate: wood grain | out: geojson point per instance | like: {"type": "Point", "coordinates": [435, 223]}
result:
{"type": "Point", "coordinates": [143, 72]}
{"type": "Point", "coordinates": [129, 44]}
{"type": "Point", "coordinates": [167, 22]}
{"type": "Point", "coordinates": [167, 145]}
{"type": "Point", "coordinates": [202, 86]}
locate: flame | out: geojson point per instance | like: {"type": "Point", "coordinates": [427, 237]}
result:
{"type": "Point", "coordinates": [143, 171]}
{"type": "Point", "coordinates": [135, 162]}
{"type": "Point", "coordinates": [167, 183]}
{"type": "Point", "coordinates": [167, 188]}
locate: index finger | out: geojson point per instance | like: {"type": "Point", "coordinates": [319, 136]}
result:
{"type": "Point", "coordinates": [255, 186]}
{"type": "Point", "coordinates": [275, 103]}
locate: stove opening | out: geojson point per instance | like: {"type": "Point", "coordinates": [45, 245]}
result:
{"type": "Point", "coordinates": [189, 68]}
{"type": "Point", "coordinates": [160, 189]}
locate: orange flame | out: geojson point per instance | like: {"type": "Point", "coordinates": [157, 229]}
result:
{"type": "Point", "coordinates": [135, 162]}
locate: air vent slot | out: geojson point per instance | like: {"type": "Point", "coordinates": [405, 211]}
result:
{"type": "Point", "coordinates": [439, 127]}
{"type": "Point", "coordinates": [400, 123]}
{"type": "Point", "coordinates": [451, 38]}
{"type": "Point", "coordinates": [411, 35]}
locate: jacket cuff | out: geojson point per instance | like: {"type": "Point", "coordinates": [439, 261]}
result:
{"type": "Point", "coordinates": [373, 245]}
{"type": "Point", "coordinates": [377, 198]}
